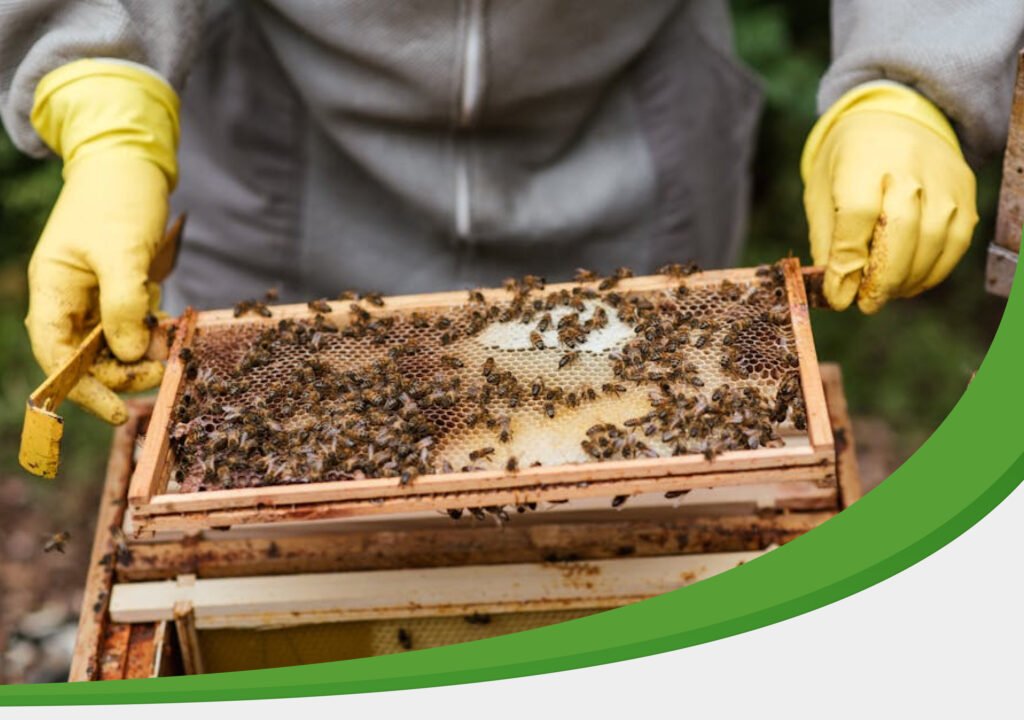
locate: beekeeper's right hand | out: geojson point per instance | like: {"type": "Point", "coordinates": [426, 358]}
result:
{"type": "Point", "coordinates": [116, 127]}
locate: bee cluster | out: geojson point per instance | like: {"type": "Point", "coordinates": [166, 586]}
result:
{"type": "Point", "coordinates": [584, 373]}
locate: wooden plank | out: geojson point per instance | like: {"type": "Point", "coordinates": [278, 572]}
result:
{"type": "Point", "coordinates": [443, 300]}
{"type": "Point", "coordinates": [431, 592]}
{"type": "Point", "coordinates": [463, 544]}
{"type": "Point", "coordinates": [190, 522]}
{"type": "Point", "coordinates": [847, 470]}
{"type": "Point", "coordinates": [188, 637]}
{"type": "Point", "coordinates": [818, 429]}
{"type": "Point", "coordinates": [99, 578]}
{"type": "Point", "coordinates": [142, 651]}
{"type": "Point", "coordinates": [1000, 268]}
{"type": "Point", "coordinates": [686, 471]}
{"type": "Point", "coordinates": [150, 476]}
{"type": "Point", "coordinates": [1010, 218]}
{"type": "Point", "coordinates": [113, 651]}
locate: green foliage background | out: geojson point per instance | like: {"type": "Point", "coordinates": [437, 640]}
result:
{"type": "Point", "coordinates": [908, 365]}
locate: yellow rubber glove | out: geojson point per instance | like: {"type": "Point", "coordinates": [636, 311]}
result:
{"type": "Point", "coordinates": [116, 127]}
{"type": "Point", "coordinates": [890, 200]}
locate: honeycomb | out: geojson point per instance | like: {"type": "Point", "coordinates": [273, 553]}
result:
{"type": "Point", "coordinates": [437, 391]}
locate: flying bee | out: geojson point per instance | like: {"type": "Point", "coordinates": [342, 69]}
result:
{"type": "Point", "coordinates": [319, 306]}
{"type": "Point", "coordinates": [57, 542]}
{"type": "Point", "coordinates": [484, 452]}
{"type": "Point", "coordinates": [568, 359]}
{"type": "Point", "coordinates": [536, 340]}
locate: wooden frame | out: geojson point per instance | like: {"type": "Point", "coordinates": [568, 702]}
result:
{"type": "Point", "coordinates": [109, 650]}
{"type": "Point", "coordinates": [153, 510]}
{"type": "Point", "coordinates": [1004, 251]}
{"type": "Point", "coordinates": [431, 592]}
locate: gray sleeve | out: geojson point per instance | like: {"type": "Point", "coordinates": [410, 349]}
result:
{"type": "Point", "coordinates": [37, 36]}
{"type": "Point", "coordinates": [960, 54]}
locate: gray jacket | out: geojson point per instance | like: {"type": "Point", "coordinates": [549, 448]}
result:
{"type": "Point", "coordinates": [441, 143]}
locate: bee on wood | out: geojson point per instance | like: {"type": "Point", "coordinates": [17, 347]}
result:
{"type": "Point", "coordinates": [319, 306]}
{"type": "Point", "coordinates": [673, 494]}
{"type": "Point", "coordinates": [57, 542]}
{"type": "Point", "coordinates": [568, 359]}
{"type": "Point", "coordinates": [476, 296]}
{"type": "Point", "coordinates": [536, 340]}
{"type": "Point", "coordinates": [374, 298]}
{"type": "Point", "coordinates": [484, 452]}
{"type": "Point", "coordinates": [584, 276]}
{"type": "Point", "coordinates": [454, 513]}
{"type": "Point", "coordinates": [419, 320]}
{"type": "Point", "coordinates": [512, 465]}
{"type": "Point", "coordinates": [479, 618]}
{"type": "Point", "coordinates": [359, 312]}
{"type": "Point", "coordinates": [251, 306]}
{"type": "Point", "coordinates": [619, 500]}
{"type": "Point", "coordinates": [678, 270]}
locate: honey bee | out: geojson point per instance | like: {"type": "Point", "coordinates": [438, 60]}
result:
{"type": "Point", "coordinates": [613, 389]}
{"type": "Point", "coordinates": [545, 322]}
{"type": "Point", "coordinates": [673, 494]}
{"type": "Point", "coordinates": [584, 276]}
{"type": "Point", "coordinates": [359, 312]}
{"type": "Point", "coordinates": [512, 465]}
{"type": "Point", "coordinates": [319, 306]}
{"type": "Point", "coordinates": [536, 340]}
{"type": "Point", "coordinates": [568, 359]}
{"type": "Point", "coordinates": [484, 452]}
{"type": "Point", "coordinates": [454, 513]}
{"type": "Point", "coordinates": [537, 387]}
{"type": "Point", "coordinates": [452, 362]}
{"type": "Point", "coordinates": [488, 367]}
{"type": "Point", "coordinates": [549, 409]}
{"type": "Point", "coordinates": [619, 500]}
{"type": "Point", "coordinates": [374, 298]}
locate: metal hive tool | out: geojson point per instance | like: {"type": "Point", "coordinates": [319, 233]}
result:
{"type": "Point", "coordinates": [735, 336]}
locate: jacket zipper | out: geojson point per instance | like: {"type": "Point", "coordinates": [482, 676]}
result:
{"type": "Point", "coordinates": [470, 98]}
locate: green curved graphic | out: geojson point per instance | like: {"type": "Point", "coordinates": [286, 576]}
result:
{"type": "Point", "coordinates": [971, 463]}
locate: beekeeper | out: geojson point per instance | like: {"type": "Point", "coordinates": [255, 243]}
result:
{"type": "Point", "coordinates": [434, 144]}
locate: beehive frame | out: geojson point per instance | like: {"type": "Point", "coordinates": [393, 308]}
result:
{"type": "Point", "coordinates": [153, 509]}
